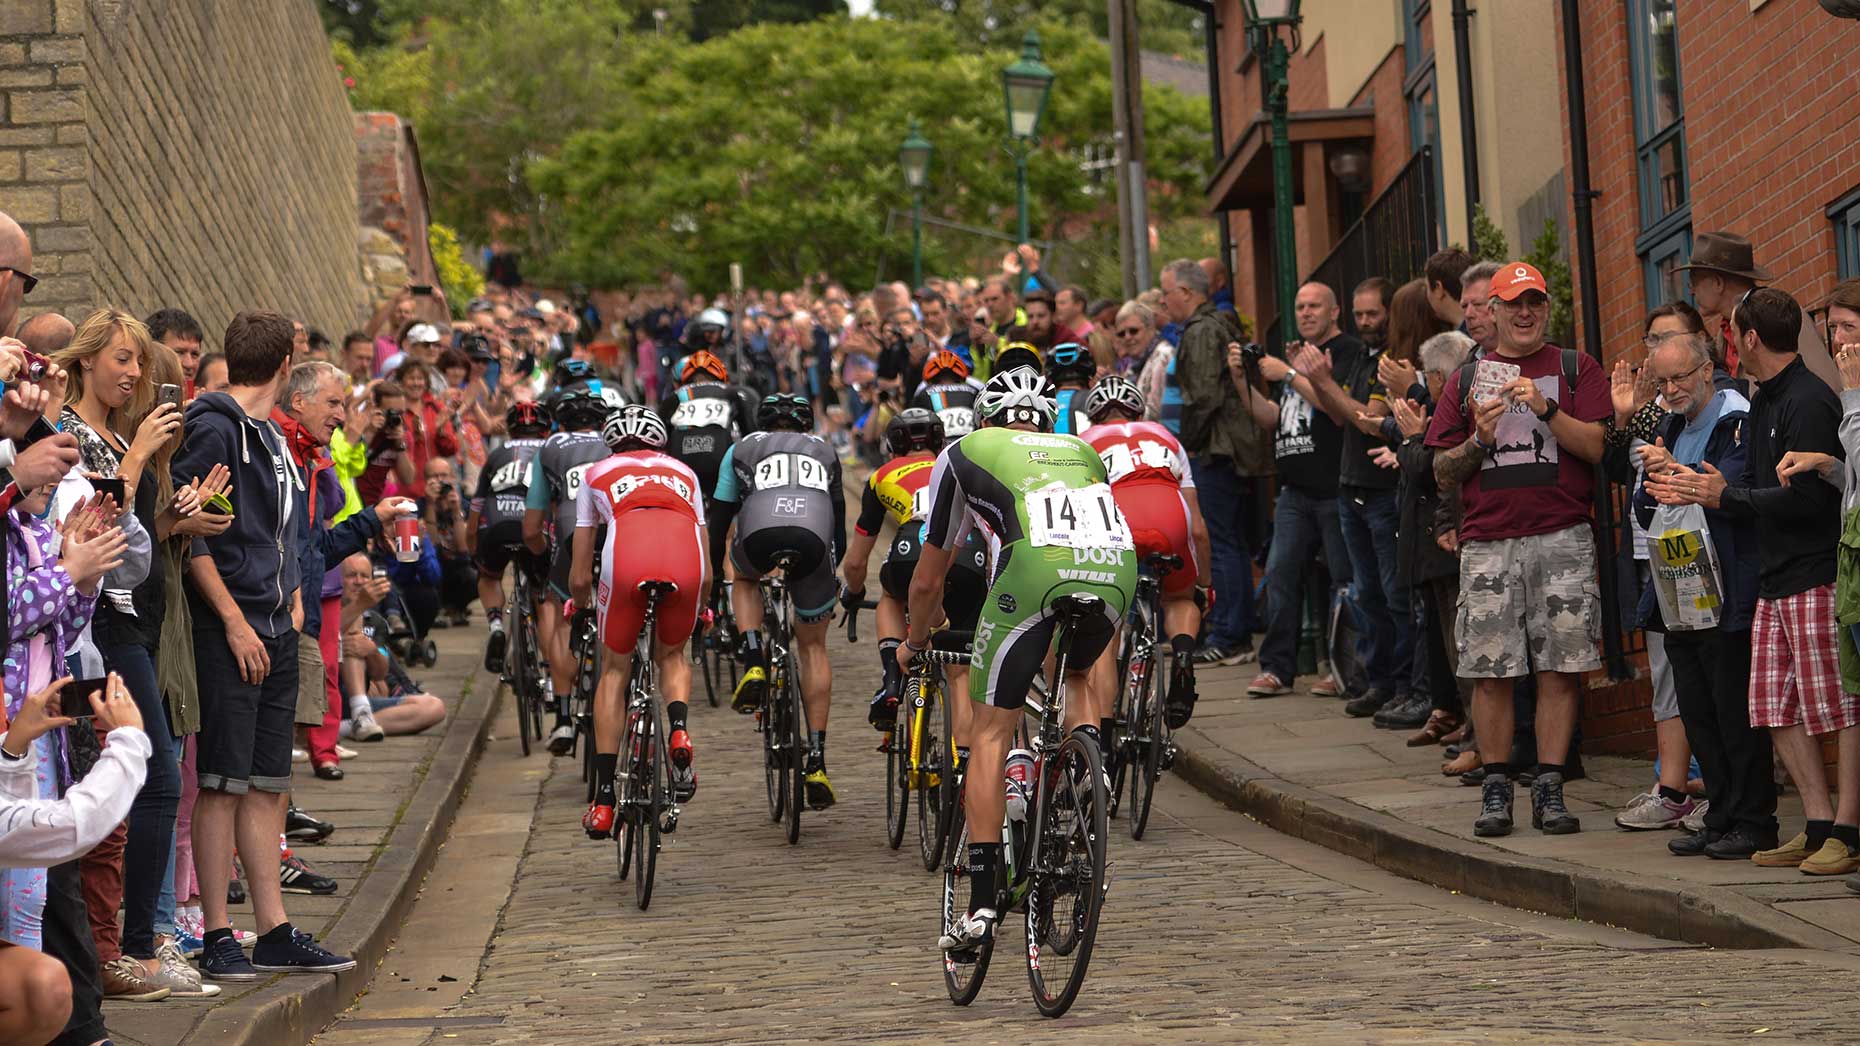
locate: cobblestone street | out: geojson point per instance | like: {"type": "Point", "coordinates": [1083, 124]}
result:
{"type": "Point", "coordinates": [1216, 929]}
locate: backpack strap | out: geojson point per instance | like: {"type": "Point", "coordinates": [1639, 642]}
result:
{"type": "Point", "coordinates": [1571, 361]}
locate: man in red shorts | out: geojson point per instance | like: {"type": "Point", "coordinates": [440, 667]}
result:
{"type": "Point", "coordinates": [651, 507]}
{"type": "Point", "coordinates": [1149, 478]}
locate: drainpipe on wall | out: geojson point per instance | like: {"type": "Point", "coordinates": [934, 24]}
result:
{"type": "Point", "coordinates": [1583, 200]}
{"type": "Point", "coordinates": [1210, 31]}
{"type": "Point", "coordinates": [1469, 132]}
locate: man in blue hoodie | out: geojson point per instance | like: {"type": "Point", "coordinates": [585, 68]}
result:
{"type": "Point", "coordinates": [247, 610]}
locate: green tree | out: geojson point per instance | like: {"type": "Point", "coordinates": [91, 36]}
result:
{"type": "Point", "coordinates": [1547, 255]}
{"type": "Point", "coordinates": [1489, 243]}
{"type": "Point", "coordinates": [1161, 24]}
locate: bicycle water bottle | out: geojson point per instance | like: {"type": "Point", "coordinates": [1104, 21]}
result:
{"type": "Point", "coordinates": [1019, 783]}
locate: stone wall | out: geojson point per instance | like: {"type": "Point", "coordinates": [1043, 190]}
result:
{"type": "Point", "coordinates": [191, 153]}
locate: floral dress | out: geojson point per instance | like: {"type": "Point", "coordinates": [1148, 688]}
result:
{"type": "Point", "coordinates": [45, 612]}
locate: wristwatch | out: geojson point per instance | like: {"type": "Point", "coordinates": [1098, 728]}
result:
{"type": "Point", "coordinates": [1550, 409]}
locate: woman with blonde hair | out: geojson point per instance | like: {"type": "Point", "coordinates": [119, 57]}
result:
{"type": "Point", "coordinates": [126, 431]}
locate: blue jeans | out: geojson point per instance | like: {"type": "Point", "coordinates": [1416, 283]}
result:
{"type": "Point", "coordinates": [1299, 523]}
{"type": "Point", "coordinates": [1223, 493]}
{"type": "Point", "coordinates": [1369, 519]}
{"type": "Point", "coordinates": [148, 851]}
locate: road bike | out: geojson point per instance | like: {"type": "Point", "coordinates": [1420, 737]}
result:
{"type": "Point", "coordinates": [714, 644]}
{"type": "Point", "coordinates": [646, 805]}
{"type": "Point", "coordinates": [584, 645]}
{"type": "Point", "coordinates": [1054, 862]}
{"type": "Point", "coordinates": [782, 720]}
{"type": "Point", "coordinates": [1141, 745]}
{"type": "Point", "coordinates": [523, 668]}
{"type": "Point", "coordinates": [920, 757]}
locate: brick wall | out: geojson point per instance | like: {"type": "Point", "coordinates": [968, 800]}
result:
{"type": "Point", "coordinates": [189, 153]}
{"type": "Point", "coordinates": [390, 189]}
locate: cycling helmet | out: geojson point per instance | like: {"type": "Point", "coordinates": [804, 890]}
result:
{"type": "Point", "coordinates": [569, 371]}
{"type": "Point", "coordinates": [700, 363]}
{"type": "Point", "coordinates": [785, 410]}
{"type": "Point", "coordinates": [1019, 354]}
{"type": "Point", "coordinates": [577, 407]}
{"type": "Point", "coordinates": [528, 416]}
{"type": "Point", "coordinates": [912, 430]}
{"type": "Point", "coordinates": [633, 427]}
{"type": "Point", "coordinates": [1017, 396]}
{"type": "Point", "coordinates": [714, 317]}
{"type": "Point", "coordinates": [945, 362]}
{"type": "Point", "coordinates": [1070, 361]}
{"type": "Point", "coordinates": [1113, 391]}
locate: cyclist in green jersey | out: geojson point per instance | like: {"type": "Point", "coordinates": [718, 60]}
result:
{"type": "Point", "coordinates": [1045, 506]}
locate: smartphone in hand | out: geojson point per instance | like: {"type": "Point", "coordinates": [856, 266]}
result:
{"type": "Point", "coordinates": [113, 487]}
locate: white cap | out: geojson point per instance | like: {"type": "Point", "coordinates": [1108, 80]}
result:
{"type": "Point", "coordinates": [546, 307]}
{"type": "Point", "coordinates": [423, 332]}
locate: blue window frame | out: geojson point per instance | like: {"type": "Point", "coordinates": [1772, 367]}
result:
{"type": "Point", "coordinates": [1845, 213]}
{"type": "Point", "coordinates": [1665, 189]}
{"type": "Point", "coordinates": [1660, 262]}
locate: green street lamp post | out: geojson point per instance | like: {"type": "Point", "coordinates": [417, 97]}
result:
{"type": "Point", "coordinates": [1264, 19]}
{"type": "Point", "coordinates": [914, 159]}
{"type": "Point", "coordinates": [1027, 83]}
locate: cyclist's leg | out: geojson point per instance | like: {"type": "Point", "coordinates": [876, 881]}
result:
{"type": "Point", "coordinates": [746, 606]}
{"type": "Point", "coordinates": [620, 616]}
{"type": "Point", "coordinates": [894, 578]}
{"type": "Point", "coordinates": [678, 556]}
{"type": "Point", "coordinates": [965, 590]}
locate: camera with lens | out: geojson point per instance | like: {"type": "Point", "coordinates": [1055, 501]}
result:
{"type": "Point", "coordinates": [1252, 352]}
{"type": "Point", "coordinates": [390, 418]}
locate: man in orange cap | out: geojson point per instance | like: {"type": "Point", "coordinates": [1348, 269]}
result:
{"type": "Point", "coordinates": [1519, 433]}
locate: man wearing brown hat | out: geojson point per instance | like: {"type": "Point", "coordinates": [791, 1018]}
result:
{"type": "Point", "coordinates": [1724, 270]}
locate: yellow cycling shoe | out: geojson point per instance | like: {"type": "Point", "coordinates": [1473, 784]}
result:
{"type": "Point", "coordinates": [819, 789]}
{"type": "Point", "coordinates": [750, 690]}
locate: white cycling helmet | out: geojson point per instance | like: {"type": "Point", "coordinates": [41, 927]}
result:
{"type": "Point", "coordinates": [1113, 390]}
{"type": "Point", "coordinates": [714, 317]}
{"type": "Point", "coordinates": [1017, 396]}
{"type": "Point", "coordinates": [633, 427]}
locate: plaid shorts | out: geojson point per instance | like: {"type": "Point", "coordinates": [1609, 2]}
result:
{"type": "Point", "coordinates": [1529, 603]}
{"type": "Point", "coordinates": [1795, 671]}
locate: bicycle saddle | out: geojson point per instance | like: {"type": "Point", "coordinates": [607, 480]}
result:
{"type": "Point", "coordinates": [1078, 605]}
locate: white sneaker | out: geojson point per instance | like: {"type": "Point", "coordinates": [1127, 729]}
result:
{"type": "Point", "coordinates": [299, 755]}
{"type": "Point", "coordinates": [345, 752]}
{"type": "Point", "coordinates": [362, 726]}
{"type": "Point", "coordinates": [178, 976]}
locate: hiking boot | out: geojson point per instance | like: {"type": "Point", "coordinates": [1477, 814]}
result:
{"type": "Point", "coordinates": [1494, 808]}
{"type": "Point", "coordinates": [1548, 814]}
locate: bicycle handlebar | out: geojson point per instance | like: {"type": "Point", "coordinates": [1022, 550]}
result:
{"type": "Point", "coordinates": [852, 617]}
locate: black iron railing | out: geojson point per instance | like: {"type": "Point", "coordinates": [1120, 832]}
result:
{"type": "Point", "coordinates": [1393, 238]}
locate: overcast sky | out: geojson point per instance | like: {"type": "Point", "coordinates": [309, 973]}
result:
{"type": "Point", "coordinates": [860, 7]}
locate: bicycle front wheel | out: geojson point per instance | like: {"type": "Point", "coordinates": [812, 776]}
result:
{"type": "Point", "coordinates": [646, 814]}
{"type": "Point", "coordinates": [1147, 730]}
{"type": "Point", "coordinates": [795, 719]}
{"type": "Point", "coordinates": [515, 673]}
{"type": "Point", "coordinates": [935, 784]}
{"type": "Point", "coordinates": [774, 770]}
{"type": "Point", "coordinates": [962, 973]}
{"type": "Point", "coordinates": [1067, 873]}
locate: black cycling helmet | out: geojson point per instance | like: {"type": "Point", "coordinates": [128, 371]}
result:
{"type": "Point", "coordinates": [577, 408]}
{"type": "Point", "coordinates": [784, 410]}
{"type": "Point", "coordinates": [913, 430]}
{"type": "Point", "coordinates": [1070, 361]}
{"type": "Point", "coordinates": [529, 416]}
{"type": "Point", "coordinates": [1019, 354]}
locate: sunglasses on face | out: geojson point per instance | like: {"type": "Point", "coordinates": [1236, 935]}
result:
{"type": "Point", "coordinates": [27, 280]}
{"type": "Point", "coordinates": [1129, 332]}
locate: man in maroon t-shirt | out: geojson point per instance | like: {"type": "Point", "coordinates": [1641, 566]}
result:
{"type": "Point", "coordinates": [1522, 448]}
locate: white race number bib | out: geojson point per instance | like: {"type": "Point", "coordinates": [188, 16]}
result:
{"type": "Point", "coordinates": [572, 481]}
{"type": "Point", "coordinates": [1121, 459]}
{"type": "Point", "coordinates": [1083, 518]}
{"type": "Point", "coordinates": [957, 421]}
{"type": "Point", "coordinates": [512, 476]}
{"type": "Point", "coordinates": [706, 413]}
{"type": "Point", "coordinates": [790, 470]}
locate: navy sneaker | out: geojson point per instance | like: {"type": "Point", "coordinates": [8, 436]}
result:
{"type": "Point", "coordinates": [296, 953]}
{"type": "Point", "coordinates": [224, 960]}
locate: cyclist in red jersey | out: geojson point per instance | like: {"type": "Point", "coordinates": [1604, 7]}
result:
{"type": "Point", "coordinates": [652, 509]}
{"type": "Point", "coordinates": [1150, 480]}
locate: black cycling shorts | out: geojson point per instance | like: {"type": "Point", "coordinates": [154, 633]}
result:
{"type": "Point", "coordinates": [965, 586]}
{"type": "Point", "coordinates": [499, 544]}
{"type": "Point", "coordinates": [812, 582]}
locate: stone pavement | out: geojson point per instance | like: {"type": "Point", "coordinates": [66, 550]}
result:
{"type": "Point", "coordinates": [1217, 929]}
{"type": "Point", "coordinates": [1300, 765]}
{"type": "Point", "coordinates": [391, 809]}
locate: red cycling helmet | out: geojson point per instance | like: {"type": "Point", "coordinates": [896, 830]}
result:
{"type": "Point", "coordinates": [945, 362]}
{"type": "Point", "coordinates": [705, 361]}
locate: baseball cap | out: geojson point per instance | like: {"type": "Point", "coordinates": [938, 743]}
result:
{"type": "Point", "coordinates": [1514, 278]}
{"type": "Point", "coordinates": [546, 307]}
{"type": "Point", "coordinates": [423, 332]}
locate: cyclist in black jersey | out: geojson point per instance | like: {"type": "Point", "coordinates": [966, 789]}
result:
{"type": "Point", "coordinates": [705, 415]}
{"type": "Point", "coordinates": [949, 393]}
{"type": "Point", "coordinates": [494, 525]}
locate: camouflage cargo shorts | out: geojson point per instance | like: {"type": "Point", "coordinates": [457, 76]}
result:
{"type": "Point", "coordinates": [1539, 590]}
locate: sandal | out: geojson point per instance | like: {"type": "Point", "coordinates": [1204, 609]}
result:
{"type": "Point", "coordinates": [1439, 723]}
{"type": "Point", "coordinates": [1467, 761]}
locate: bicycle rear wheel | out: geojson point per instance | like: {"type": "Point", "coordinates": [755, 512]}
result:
{"type": "Point", "coordinates": [962, 975]}
{"type": "Point", "coordinates": [646, 813]}
{"type": "Point", "coordinates": [1147, 731]}
{"type": "Point", "coordinates": [796, 722]}
{"type": "Point", "coordinates": [774, 777]}
{"type": "Point", "coordinates": [626, 788]}
{"type": "Point", "coordinates": [898, 772]}
{"type": "Point", "coordinates": [516, 671]}
{"type": "Point", "coordinates": [1117, 745]}
{"type": "Point", "coordinates": [1067, 873]}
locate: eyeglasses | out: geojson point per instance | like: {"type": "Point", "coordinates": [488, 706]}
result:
{"type": "Point", "coordinates": [1678, 380]}
{"type": "Point", "coordinates": [26, 279]}
{"type": "Point", "coordinates": [1130, 332]}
